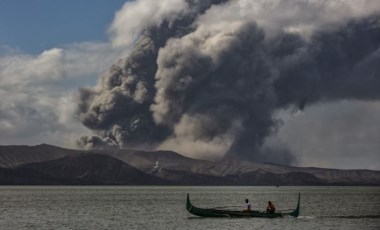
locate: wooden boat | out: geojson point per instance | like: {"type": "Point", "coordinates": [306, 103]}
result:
{"type": "Point", "coordinates": [217, 212]}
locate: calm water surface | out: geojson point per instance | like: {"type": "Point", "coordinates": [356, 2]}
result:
{"type": "Point", "coordinates": [150, 207]}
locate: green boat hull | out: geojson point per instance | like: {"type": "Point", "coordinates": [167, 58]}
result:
{"type": "Point", "coordinates": [211, 212]}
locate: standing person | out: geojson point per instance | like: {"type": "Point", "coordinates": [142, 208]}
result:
{"type": "Point", "coordinates": [248, 206]}
{"type": "Point", "coordinates": [270, 208]}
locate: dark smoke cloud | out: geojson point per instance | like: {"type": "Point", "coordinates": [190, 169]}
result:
{"type": "Point", "coordinates": [207, 84]}
{"type": "Point", "coordinates": [340, 64]}
{"type": "Point", "coordinates": [117, 108]}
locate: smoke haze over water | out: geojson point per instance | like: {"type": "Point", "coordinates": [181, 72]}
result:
{"type": "Point", "coordinates": [205, 77]}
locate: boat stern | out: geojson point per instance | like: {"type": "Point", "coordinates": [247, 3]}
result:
{"type": "Point", "coordinates": [188, 203]}
{"type": "Point", "coordinates": [296, 212]}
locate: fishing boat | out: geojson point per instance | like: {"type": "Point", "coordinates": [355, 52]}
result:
{"type": "Point", "coordinates": [219, 212]}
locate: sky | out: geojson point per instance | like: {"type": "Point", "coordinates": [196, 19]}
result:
{"type": "Point", "coordinates": [35, 26]}
{"type": "Point", "coordinates": [149, 74]}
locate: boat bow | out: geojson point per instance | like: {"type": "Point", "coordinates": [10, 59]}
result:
{"type": "Point", "coordinates": [296, 212]}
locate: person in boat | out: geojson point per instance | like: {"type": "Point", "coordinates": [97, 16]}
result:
{"type": "Point", "coordinates": [270, 208]}
{"type": "Point", "coordinates": [248, 206]}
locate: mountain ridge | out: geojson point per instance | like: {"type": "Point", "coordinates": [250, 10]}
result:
{"type": "Point", "coordinates": [54, 165]}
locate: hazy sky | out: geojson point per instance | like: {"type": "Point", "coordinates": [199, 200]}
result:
{"type": "Point", "coordinates": [50, 49]}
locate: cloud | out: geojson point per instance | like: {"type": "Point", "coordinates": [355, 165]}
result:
{"type": "Point", "coordinates": [136, 16]}
{"type": "Point", "coordinates": [73, 61]}
{"type": "Point", "coordinates": [341, 134]}
{"type": "Point", "coordinates": [118, 107]}
{"type": "Point", "coordinates": [189, 137]}
{"type": "Point", "coordinates": [34, 116]}
{"type": "Point", "coordinates": [303, 17]}
{"type": "Point", "coordinates": [204, 78]}
{"type": "Point", "coordinates": [39, 91]}
{"type": "Point", "coordinates": [192, 77]}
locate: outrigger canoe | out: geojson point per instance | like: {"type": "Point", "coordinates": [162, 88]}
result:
{"type": "Point", "coordinates": [215, 212]}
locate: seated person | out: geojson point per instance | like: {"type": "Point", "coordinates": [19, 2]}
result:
{"type": "Point", "coordinates": [248, 206]}
{"type": "Point", "coordinates": [270, 208]}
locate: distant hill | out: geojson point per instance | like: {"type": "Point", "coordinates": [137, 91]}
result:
{"type": "Point", "coordinates": [13, 155]}
{"type": "Point", "coordinates": [239, 172]}
{"type": "Point", "coordinates": [94, 169]}
{"type": "Point", "coordinates": [46, 164]}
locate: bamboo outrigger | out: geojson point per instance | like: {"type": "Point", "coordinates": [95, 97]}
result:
{"type": "Point", "coordinates": [215, 212]}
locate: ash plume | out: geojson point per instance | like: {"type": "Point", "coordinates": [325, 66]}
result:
{"type": "Point", "coordinates": [206, 81]}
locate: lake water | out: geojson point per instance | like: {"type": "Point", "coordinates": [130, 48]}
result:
{"type": "Point", "coordinates": [155, 207]}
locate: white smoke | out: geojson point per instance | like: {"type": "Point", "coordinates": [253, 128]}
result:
{"type": "Point", "coordinates": [301, 16]}
{"type": "Point", "coordinates": [135, 16]}
{"type": "Point", "coordinates": [187, 138]}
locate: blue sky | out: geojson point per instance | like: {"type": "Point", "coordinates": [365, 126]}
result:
{"type": "Point", "coordinates": [34, 26]}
